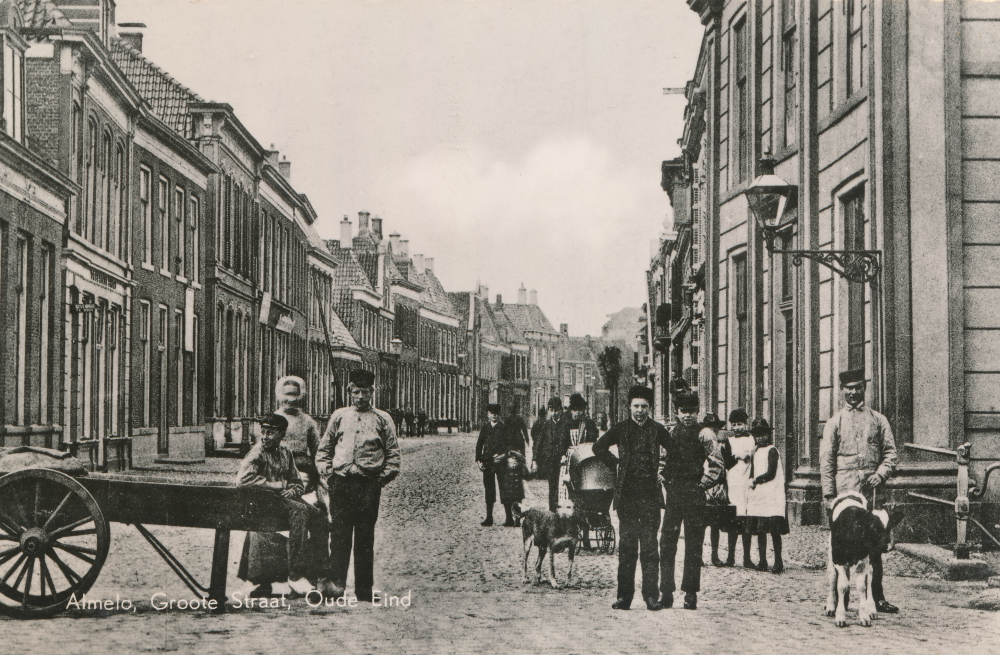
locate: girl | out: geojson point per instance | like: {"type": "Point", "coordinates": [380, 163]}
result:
{"type": "Point", "coordinates": [766, 500]}
{"type": "Point", "coordinates": [719, 513]}
{"type": "Point", "coordinates": [738, 464]}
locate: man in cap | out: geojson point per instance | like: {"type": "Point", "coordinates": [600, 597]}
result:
{"type": "Point", "coordinates": [272, 466]}
{"type": "Point", "coordinates": [357, 456]}
{"type": "Point", "coordinates": [497, 440]}
{"type": "Point", "coordinates": [302, 435]}
{"type": "Point", "coordinates": [692, 465]}
{"type": "Point", "coordinates": [858, 453]}
{"type": "Point", "coordinates": [637, 495]}
{"type": "Point", "coordinates": [550, 447]}
{"type": "Point", "coordinates": [586, 429]}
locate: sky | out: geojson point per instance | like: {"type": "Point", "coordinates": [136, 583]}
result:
{"type": "Point", "coordinates": [512, 141]}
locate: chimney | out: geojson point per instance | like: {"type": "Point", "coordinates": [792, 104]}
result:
{"type": "Point", "coordinates": [271, 156]}
{"type": "Point", "coordinates": [429, 263]}
{"type": "Point", "coordinates": [418, 263]}
{"type": "Point", "coordinates": [285, 168]}
{"type": "Point", "coordinates": [133, 39]}
{"type": "Point", "coordinates": [404, 247]}
{"type": "Point", "coordinates": [484, 292]}
{"type": "Point", "coordinates": [564, 328]}
{"type": "Point", "coordinates": [499, 300]}
{"type": "Point", "coordinates": [522, 295]}
{"type": "Point", "coordinates": [345, 234]}
{"type": "Point", "coordinates": [533, 297]}
{"type": "Point", "coordinates": [377, 228]}
{"type": "Point", "coordinates": [394, 243]}
{"type": "Point", "coordinates": [363, 225]}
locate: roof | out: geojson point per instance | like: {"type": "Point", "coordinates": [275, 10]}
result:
{"type": "Point", "coordinates": [508, 331]}
{"type": "Point", "coordinates": [460, 301]}
{"type": "Point", "coordinates": [369, 264]}
{"type": "Point", "coordinates": [349, 274]}
{"type": "Point", "coordinates": [527, 317]}
{"type": "Point", "coordinates": [167, 97]}
{"type": "Point", "coordinates": [434, 296]}
{"type": "Point", "coordinates": [42, 13]}
{"type": "Point", "coordinates": [339, 334]}
{"type": "Point", "coordinates": [578, 349]}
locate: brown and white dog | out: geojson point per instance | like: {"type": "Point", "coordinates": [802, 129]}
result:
{"type": "Point", "coordinates": [553, 533]}
{"type": "Point", "coordinates": [855, 534]}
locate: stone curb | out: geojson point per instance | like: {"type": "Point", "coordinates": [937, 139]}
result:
{"type": "Point", "coordinates": [944, 560]}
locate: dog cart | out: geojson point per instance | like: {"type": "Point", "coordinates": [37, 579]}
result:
{"type": "Point", "coordinates": [55, 531]}
{"type": "Point", "coordinates": [591, 487]}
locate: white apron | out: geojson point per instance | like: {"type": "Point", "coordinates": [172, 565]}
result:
{"type": "Point", "coordinates": [767, 499]}
{"type": "Point", "coordinates": [738, 477]}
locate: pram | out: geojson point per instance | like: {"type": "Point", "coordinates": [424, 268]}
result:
{"type": "Point", "coordinates": [591, 487]}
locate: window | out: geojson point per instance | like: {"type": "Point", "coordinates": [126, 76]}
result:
{"type": "Point", "coordinates": [145, 341]}
{"type": "Point", "coordinates": [195, 224]}
{"type": "Point", "coordinates": [162, 335]}
{"type": "Point", "coordinates": [146, 215]}
{"type": "Point", "coordinates": [180, 233]}
{"type": "Point", "coordinates": [107, 233]}
{"type": "Point", "coordinates": [13, 73]}
{"type": "Point", "coordinates": [856, 47]}
{"type": "Point", "coordinates": [45, 391]}
{"type": "Point", "coordinates": [161, 215]}
{"type": "Point", "coordinates": [741, 305]}
{"type": "Point", "coordinates": [21, 329]}
{"type": "Point", "coordinates": [741, 100]}
{"type": "Point", "coordinates": [854, 239]}
{"type": "Point", "coordinates": [122, 218]}
{"type": "Point", "coordinates": [91, 182]}
{"type": "Point", "coordinates": [179, 364]}
{"type": "Point", "coordinates": [790, 70]}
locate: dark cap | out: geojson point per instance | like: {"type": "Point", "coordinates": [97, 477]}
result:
{"type": "Point", "coordinates": [554, 403]}
{"type": "Point", "coordinates": [577, 403]}
{"type": "Point", "coordinates": [361, 378]}
{"type": "Point", "coordinates": [711, 420]}
{"type": "Point", "coordinates": [275, 420]}
{"type": "Point", "coordinates": [640, 391]}
{"type": "Point", "coordinates": [689, 401]}
{"type": "Point", "coordinates": [493, 408]}
{"type": "Point", "coordinates": [739, 415]}
{"type": "Point", "coordinates": [853, 376]}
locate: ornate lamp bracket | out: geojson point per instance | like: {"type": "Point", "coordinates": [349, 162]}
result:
{"type": "Point", "coordinates": [854, 265]}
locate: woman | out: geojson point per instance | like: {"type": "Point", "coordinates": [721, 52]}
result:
{"type": "Point", "coordinates": [766, 500]}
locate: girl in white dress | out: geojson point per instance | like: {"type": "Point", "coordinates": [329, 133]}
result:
{"type": "Point", "coordinates": [766, 497]}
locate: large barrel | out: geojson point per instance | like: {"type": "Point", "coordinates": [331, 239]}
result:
{"type": "Point", "coordinates": [586, 472]}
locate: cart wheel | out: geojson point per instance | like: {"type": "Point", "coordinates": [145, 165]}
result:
{"type": "Point", "coordinates": [606, 540]}
{"type": "Point", "coordinates": [53, 542]}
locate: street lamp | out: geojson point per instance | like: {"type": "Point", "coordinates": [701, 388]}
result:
{"type": "Point", "coordinates": [774, 205]}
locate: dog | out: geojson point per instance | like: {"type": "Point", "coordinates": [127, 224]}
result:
{"type": "Point", "coordinates": [855, 534]}
{"type": "Point", "coordinates": [553, 533]}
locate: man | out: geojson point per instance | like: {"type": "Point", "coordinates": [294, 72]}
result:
{"type": "Point", "coordinates": [497, 439]}
{"type": "Point", "coordinates": [678, 385]}
{"type": "Point", "coordinates": [272, 466]}
{"type": "Point", "coordinates": [421, 422]}
{"type": "Point", "coordinates": [637, 495]}
{"type": "Point", "coordinates": [549, 449]}
{"type": "Point", "coordinates": [858, 453]}
{"type": "Point", "coordinates": [357, 456]}
{"type": "Point", "coordinates": [586, 429]}
{"type": "Point", "coordinates": [691, 466]}
{"type": "Point", "coordinates": [302, 435]}
{"type": "Point", "coordinates": [408, 417]}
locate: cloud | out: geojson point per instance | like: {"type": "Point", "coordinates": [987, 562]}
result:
{"type": "Point", "coordinates": [565, 219]}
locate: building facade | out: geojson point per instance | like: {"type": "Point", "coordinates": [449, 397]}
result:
{"type": "Point", "coordinates": [876, 114]}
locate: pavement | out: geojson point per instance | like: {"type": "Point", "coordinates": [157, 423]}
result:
{"type": "Point", "coordinates": [457, 589]}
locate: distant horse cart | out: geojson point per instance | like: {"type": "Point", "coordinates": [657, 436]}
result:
{"type": "Point", "coordinates": [55, 531]}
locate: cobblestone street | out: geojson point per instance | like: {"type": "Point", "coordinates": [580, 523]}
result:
{"type": "Point", "coordinates": [466, 594]}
